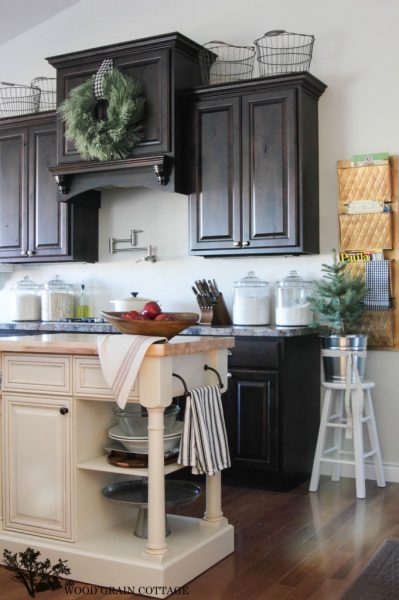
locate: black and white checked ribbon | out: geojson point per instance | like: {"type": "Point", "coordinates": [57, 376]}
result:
{"type": "Point", "coordinates": [378, 285]}
{"type": "Point", "coordinates": [98, 82]}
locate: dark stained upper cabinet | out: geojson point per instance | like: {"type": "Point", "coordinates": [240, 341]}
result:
{"type": "Point", "coordinates": [34, 225]}
{"type": "Point", "coordinates": [13, 190]}
{"type": "Point", "coordinates": [254, 167]}
{"type": "Point", "coordinates": [165, 65]}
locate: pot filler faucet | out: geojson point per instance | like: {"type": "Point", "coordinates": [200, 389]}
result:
{"type": "Point", "coordinates": [113, 248]}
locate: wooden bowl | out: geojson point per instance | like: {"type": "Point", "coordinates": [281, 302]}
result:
{"type": "Point", "coordinates": [166, 329]}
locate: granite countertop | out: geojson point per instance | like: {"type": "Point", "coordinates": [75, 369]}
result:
{"type": "Point", "coordinates": [225, 330]}
{"type": "Point", "coordinates": [86, 344]}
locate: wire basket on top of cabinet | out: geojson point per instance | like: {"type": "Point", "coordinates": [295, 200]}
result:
{"type": "Point", "coordinates": [280, 51]}
{"type": "Point", "coordinates": [221, 62]}
{"type": "Point", "coordinates": [47, 86]}
{"type": "Point", "coordinates": [18, 99]}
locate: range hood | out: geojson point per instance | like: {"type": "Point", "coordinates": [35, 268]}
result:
{"type": "Point", "coordinates": [166, 65]}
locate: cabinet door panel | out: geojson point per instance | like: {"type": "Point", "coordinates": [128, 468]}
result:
{"type": "Point", "coordinates": [269, 169]}
{"type": "Point", "coordinates": [13, 192]}
{"type": "Point", "coordinates": [37, 466]}
{"type": "Point", "coordinates": [215, 204]}
{"type": "Point", "coordinates": [152, 72]}
{"type": "Point", "coordinates": [252, 420]}
{"type": "Point", "coordinates": [48, 226]}
{"type": "Point", "coordinates": [151, 68]}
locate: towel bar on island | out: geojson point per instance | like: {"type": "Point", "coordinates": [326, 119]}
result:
{"type": "Point", "coordinates": [206, 368]}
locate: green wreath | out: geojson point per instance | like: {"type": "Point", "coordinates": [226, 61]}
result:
{"type": "Point", "coordinates": [115, 136]}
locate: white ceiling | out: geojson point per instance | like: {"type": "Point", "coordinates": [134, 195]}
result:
{"type": "Point", "coordinates": [17, 16]}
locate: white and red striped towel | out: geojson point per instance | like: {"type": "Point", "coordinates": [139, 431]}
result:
{"type": "Point", "coordinates": [204, 446]}
{"type": "Point", "coordinates": [121, 357]}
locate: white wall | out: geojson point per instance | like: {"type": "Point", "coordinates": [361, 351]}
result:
{"type": "Point", "coordinates": [356, 53]}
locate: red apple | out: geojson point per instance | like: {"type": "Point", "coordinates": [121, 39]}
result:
{"type": "Point", "coordinates": [164, 317]}
{"type": "Point", "coordinates": [142, 318]}
{"type": "Point", "coordinates": [131, 315]}
{"type": "Point", "coordinates": [151, 310]}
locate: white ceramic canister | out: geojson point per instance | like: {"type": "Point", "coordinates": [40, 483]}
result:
{"type": "Point", "coordinates": [26, 302]}
{"type": "Point", "coordinates": [132, 303]}
{"type": "Point", "coordinates": [292, 305]}
{"type": "Point", "coordinates": [251, 301]}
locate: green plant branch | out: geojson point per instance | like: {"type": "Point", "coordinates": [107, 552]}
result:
{"type": "Point", "coordinates": [35, 575]}
{"type": "Point", "coordinates": [338, 299]}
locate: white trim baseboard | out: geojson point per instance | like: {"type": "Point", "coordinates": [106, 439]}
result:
{"type": "Point", "coordinates": [391, 471]}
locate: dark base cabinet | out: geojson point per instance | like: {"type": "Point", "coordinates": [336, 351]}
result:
{"type": "Point", "coordinates": [272, 411]}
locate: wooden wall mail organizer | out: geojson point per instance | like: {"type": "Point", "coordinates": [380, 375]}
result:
{"type": "Point", "coordinates": [363, 231]}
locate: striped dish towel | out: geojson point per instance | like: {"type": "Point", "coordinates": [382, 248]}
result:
{"type": "Point", "coordinates": [204, 445]}
{"type": "Point", "coordinates": [120, 358]}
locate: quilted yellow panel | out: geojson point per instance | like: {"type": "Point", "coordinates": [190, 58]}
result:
{"type": "Point", "coordinates": [378, 325]}
{"type": "Point", "coordinates": [365, 231]}
{"type": "Point", "coordinates": [356, 269]}
{"type": "Point", "coordinates": [365, 183]}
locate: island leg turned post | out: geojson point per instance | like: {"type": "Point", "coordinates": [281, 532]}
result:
{"type": "Point", "coordinates": [213, 516]}
{"type": "Point", "coordinates": [156, 544]}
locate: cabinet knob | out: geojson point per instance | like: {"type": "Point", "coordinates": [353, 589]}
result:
{"type": "Point", "coordinates": [24, 253]}
{"type": "Point", "coordinates": [64, 410]}
{"type": "Point", "coordinates": [237, 244]}
{"type": "Point", "coordinates": [30, 252]}
{"type": "Point", "coordinates": [246, 243]}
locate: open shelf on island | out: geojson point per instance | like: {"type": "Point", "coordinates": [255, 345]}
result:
{"type": "Point", "coordinates": [100, 463]}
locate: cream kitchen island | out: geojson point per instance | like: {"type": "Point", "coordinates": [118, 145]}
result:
{"type": "Point", "coordinates": [56, 410]}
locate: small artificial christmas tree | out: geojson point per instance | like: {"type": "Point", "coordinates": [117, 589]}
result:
{"type": "Point", "coordinates": [338, 299]}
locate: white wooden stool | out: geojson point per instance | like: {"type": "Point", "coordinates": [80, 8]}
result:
{"type": "Point", "coordinates": [347, 408]}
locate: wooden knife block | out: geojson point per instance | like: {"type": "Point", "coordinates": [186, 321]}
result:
{"type": "Point", "coordinates": [217, 315]}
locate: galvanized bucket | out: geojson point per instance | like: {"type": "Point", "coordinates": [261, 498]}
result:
{"type": "Point", "coordinates": [352, 347]}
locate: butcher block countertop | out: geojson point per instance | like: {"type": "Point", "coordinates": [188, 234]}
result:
{"type": "Point", "coordinates": [86, 344]}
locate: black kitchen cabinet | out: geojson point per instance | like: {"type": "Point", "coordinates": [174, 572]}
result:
{"type": "Point", "coordinates": [272, 410]}
{"type": "Point", "coordinates": [34, 225]}
{"type": "Point", "coordinates": [254, 167]}
{"type": "Point", "coordinates": [251, 410]}
{"type": "Point", "coordinates": [165, 65]}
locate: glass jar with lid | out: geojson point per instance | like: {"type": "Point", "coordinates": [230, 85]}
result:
{"type": "Point", "coordinates": [251, 301]}
{"type": "Point", "coordinates": [58, 300]}
{"type": "Point", "coordinates": [26, 302]}
{"type": "Point", "coordinates": [292, 305]}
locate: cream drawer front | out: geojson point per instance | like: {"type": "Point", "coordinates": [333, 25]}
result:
{"type": "Point", "coordinates": [38, 373]}
{"type": "Point", "coordinates": [89, 380]}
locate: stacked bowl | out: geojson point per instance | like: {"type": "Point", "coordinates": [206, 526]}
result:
{"type": "Point", "coordinates": [131, 428]}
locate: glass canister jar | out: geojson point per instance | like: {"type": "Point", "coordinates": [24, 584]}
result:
{"type": "Point", "coordinates": [58, 300]}
{"type": "Point", "coordinates": [26, 302]}
{"type": "Point", "coordinates": [251, 301]}
{"type": "Point", "coordinates": [292, 306]}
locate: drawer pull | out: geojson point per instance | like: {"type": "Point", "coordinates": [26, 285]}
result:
{"type": "Point", "coordinates": [64, 410]}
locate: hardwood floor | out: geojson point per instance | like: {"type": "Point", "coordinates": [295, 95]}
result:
{"type": "Point", "coordinates": [289, 546]}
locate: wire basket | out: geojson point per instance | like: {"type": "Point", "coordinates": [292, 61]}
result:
{"type": "Point", "coordinates": [18, 99]}
{"type": "Point", "coordinates": [47, 86]}
{"type": "Point", "coordinates": [221, 62]}
{"type": "Point", "coordinates": [279, 51]}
